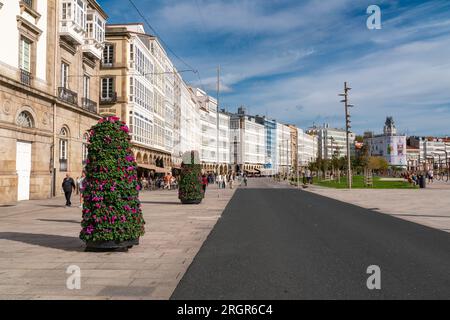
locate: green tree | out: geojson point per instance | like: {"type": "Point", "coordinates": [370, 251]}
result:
{"type": "Point", "coordinates": [111, 209]}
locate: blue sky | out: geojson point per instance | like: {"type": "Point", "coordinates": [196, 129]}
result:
{"type": "Point", "coordinates": [289, 59]}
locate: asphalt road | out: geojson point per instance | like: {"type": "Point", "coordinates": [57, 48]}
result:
{"type": "Point", "coordinates": [275, 243]}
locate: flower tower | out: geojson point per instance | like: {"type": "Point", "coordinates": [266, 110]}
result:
{"type": "Point", "coordinates": [190, 189]}
{"type": "Point", "coordinates": [112, 216]}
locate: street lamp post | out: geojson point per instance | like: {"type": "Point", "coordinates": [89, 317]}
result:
{"type": "Point", "coordinates": [347, 131]}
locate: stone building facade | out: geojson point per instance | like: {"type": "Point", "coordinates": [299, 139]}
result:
{"type": "Point", "coordinates": [48, 93]}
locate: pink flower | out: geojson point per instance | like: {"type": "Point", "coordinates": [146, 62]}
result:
{"type": "Point", "coordinates": [138, 187]}
{"type": "Point", "coordinates": [124, 129]}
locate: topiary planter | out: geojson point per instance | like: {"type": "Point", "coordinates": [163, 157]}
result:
{"type": "Point", "coordinates": [111, 208]}
{"type": "Point", "coordinates": [190, 190]}
{"type": "Point", "coordinates": [101, 246]}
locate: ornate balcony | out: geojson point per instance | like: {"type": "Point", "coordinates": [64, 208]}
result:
{"type": "Point", "coordinates": [68, 96]}
{"type": "Point", "coordinates": [89, 105]}
{"type": "Point", "coordinates": [109, 99]}
{"type": "Point", "coordinates": [25, 77]}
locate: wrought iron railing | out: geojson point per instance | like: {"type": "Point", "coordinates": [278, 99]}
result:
{"type": "Point", "coordinates": [25, 77]}
{"type": "Point", "coordinates": [109, 98]}
{"type": "Point", "coordinates": [68, 96]}
{"type": "Point", "coordinates": [89, 105]}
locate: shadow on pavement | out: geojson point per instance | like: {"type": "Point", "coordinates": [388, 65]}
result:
{"type": "Point", "coordinates": [161, 202]}
{"type": "Point", "coordinates": [62, 221]}
{"type": "Point", "coordinates": [45, 240]}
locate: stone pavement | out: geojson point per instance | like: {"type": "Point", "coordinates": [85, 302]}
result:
{"type": "Point", "coordinates": [429, 207]}
{"type": "Point", "coordinates": [39, 241]}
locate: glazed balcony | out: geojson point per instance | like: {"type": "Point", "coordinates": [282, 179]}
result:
{"type": "Point", "coordinates": [95, 35]}
{"type": "Point", "coordinates": [72, 26]}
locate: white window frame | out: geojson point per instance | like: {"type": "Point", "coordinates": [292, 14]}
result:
{"type": "Point", "coordinates": [109, 81]}
{"type": "Point", "coordinates": [108, 54]}
{"type": "Point", "coordinates": [25, 54]}
{"type": "Point", "coordinates": [65, 75]}
{"type": "Point", "coordinates": [86, 86]}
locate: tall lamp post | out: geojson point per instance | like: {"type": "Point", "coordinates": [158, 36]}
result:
{"type": "Point", "coordinates": [347, 131]}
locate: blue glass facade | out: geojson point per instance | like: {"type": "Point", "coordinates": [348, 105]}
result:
{"type": "Point", "coordinates": [271, 141]}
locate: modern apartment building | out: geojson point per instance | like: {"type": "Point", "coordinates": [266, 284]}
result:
{"type": "Point", "coordinates": [48, 92]}
{"type": "Point", "coordinates": [215, 136]}
{"type": "Point", "coordinates": [307, 148]}
{"type": "Point", "coordinates": [248, 143]}
{"type": "Point", "coordinates": [284, 149]}
{"type": "Point", "coordinates": [294, 149]}
{"type": "Point", "coordinates": [270, 163]}
{"type": "Point", "coordinates": [332, 141]}
{"type": "Point", "coordinates": [431, 149]}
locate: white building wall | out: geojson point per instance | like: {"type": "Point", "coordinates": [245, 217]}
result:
{"type": "Point", "coordinates": [307, 148]}
{"type": "Point", "coordinates": [254, 142]}
{"type": "Point", "coordinates": [283, 147]}
{"type": "Point", "coordinates": [9, 54]}
{"type": "Point", "coordinates": [333, 141]}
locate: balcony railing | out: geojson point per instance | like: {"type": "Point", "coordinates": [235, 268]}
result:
{"type": "Point", "coordinates": [25, 77]}
{"type": "Point", "coordinates": [68, 96]}
{"type": "Point", "coordinates": [89, 105]}
{"type": "Point", "coordinates": [108, 99]}
{"type": "Point", "coordinates": [28, 3]}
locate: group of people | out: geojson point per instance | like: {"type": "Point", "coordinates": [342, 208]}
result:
{"type": "Point", "coordinates": [167, 181]}
{"type": "Point", "coordinates": [413, 177]}
{"type": "Point", "coordinates": [225, 179]}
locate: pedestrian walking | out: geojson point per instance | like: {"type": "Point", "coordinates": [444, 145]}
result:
{"type": "Point", "coordinates": [245, 179]}
{"type": "Point", "coordinates": [430, 176]}
{"type": "Point", "coordinates": [219, 181]}
{"type": "Point", "coordinates": [230, 181]}
{"type": "Point", "coordinates": [204, 184]}
{"type": "Point", "coordinates": [224, 181]}
{"type": "Point", "coordinates": [68, 185]}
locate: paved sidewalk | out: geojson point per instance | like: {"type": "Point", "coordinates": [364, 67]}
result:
{"type": "Point", "coordinates": [429, 207]}
{"type": "Point", "coordinates": [39, 241]}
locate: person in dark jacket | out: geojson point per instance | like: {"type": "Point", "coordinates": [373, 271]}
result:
{"type": "Point", "coordinates": [68, 186]}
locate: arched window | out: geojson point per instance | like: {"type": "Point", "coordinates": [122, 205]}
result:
{"type": "Point", "coordinates": [63, 149]}
{"type": "Point", "coordinates": [25, 119]}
